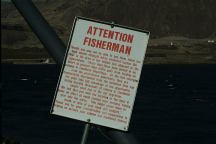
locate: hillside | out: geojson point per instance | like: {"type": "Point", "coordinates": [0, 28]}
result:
{"type": "Point", "coordinates": [181, 31]}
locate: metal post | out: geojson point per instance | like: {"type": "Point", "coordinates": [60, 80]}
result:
{"type": "Point", "coordinates": [42, 29]}
{"type": "Point", "coordinates": [85, 133]}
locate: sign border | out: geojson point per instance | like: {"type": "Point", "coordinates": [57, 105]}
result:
{"type": "Point", "coordinates": [112, 24]}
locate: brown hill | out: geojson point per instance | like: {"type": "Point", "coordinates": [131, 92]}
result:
{"type": "Point", "coordinates": [187, 24]}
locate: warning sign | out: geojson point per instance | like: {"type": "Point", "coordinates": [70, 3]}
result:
{"type": "Point", "coordinates": [100, 74]}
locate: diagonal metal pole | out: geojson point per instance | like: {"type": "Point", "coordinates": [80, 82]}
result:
{"type": "Point", "coordinates": [57, 49]}
{"type": "Point", "coordinates": [42, 29]}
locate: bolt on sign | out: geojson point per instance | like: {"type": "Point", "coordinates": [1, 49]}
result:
{"type": "Point", "coordinates": [100, 73]}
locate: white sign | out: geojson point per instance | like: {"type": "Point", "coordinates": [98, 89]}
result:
{"type": "Point", "coordinates": [100, 74]}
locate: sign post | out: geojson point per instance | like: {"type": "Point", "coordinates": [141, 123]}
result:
{"type": "Point", "coordinates": [100, 74]}
{"type": "Point", "coordinates": [85, 133]}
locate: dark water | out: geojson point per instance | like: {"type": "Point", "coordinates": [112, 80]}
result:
{"type": "Point", "coordinates": [175, 104]}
